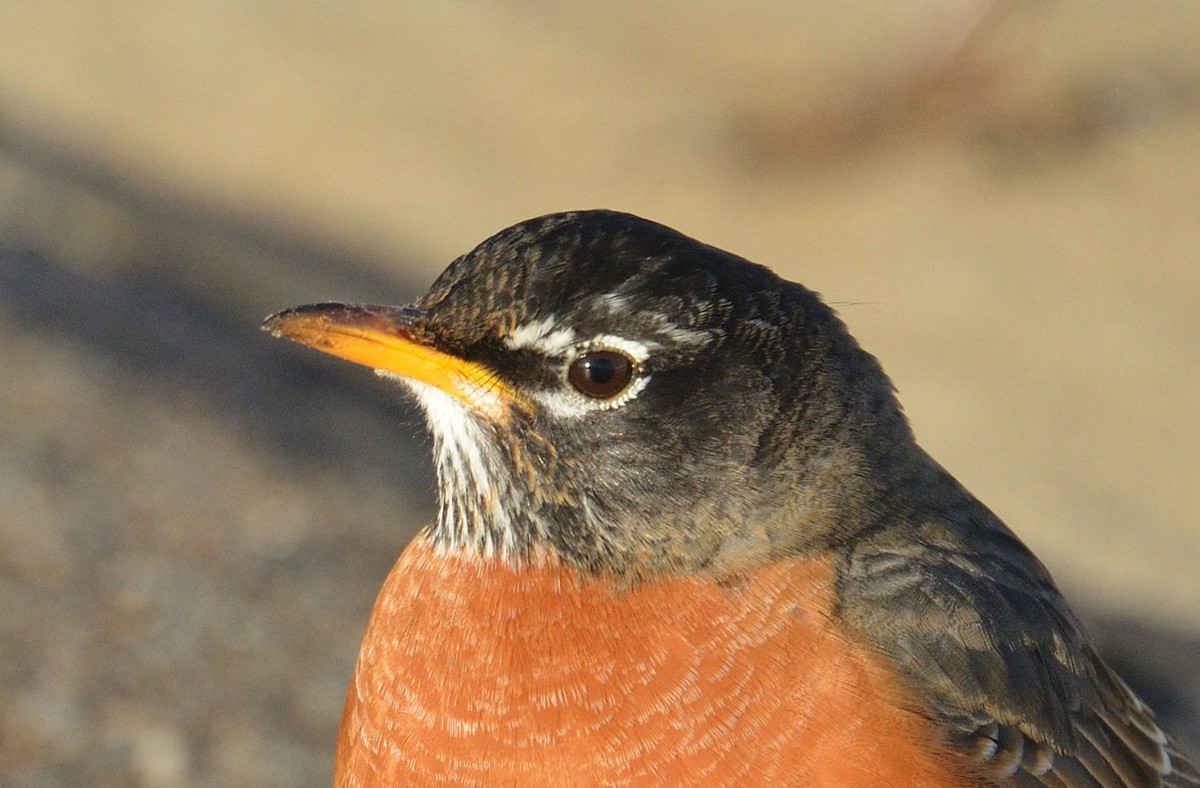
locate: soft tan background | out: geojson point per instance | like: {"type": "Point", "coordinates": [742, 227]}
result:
{"type": "Point", "coordinates": [1003, 198]}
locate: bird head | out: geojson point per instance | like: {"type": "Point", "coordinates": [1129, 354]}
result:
{"type": "Point", "coordinates": [630, 399]}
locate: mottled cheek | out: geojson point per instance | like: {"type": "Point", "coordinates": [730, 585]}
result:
{"type": "Point", "coordinates": [534, 461]}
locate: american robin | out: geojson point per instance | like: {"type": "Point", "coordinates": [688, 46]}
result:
{"type": "Point", "coordinates": [686, 537]}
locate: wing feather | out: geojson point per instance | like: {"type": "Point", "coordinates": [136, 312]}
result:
{"type": "Point", "coordinates": [975, 622]}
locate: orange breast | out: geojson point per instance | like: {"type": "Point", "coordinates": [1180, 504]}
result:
{"type": "Point", "coordinates": [473, 672]}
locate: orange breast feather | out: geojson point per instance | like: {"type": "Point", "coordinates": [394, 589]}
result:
{"type": "Point", "coordinates": [478, 673]}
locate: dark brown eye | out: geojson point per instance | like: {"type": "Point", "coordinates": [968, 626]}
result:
{"type": "Point", "coordinates": [601, 374]}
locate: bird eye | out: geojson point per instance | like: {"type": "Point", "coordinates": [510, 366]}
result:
{"type": "Point", "coordinates": [601, 374]}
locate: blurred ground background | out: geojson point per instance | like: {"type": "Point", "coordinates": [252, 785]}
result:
{"type": "Point", "coordinates": [1004, 198]}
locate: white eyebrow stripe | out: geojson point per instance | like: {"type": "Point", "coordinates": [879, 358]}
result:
{"type": "Point", "coordinates": [548, 337]}
{"type": "Point", "coordinates": [614, 303]}
{"type": "Point", "coordinates": [682, 336]}
{"type": "Point", "coordinates": [544, 335]}
{"type": "Point", "coordinates": [617, 304]}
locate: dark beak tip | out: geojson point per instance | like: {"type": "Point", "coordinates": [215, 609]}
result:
{"type": "Point", "coordinates": [337, 312]}
{"type": "Point", "coordinates": [272, 323]}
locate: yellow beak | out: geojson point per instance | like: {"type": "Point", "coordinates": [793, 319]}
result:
{"type": "Point", "coordinates": [382, 337]}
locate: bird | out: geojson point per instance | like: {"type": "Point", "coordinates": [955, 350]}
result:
{"type": "Point", "coordinates": [685, 536]}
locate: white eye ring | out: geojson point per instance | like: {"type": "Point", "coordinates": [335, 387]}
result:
{"type": "Point", "coordinates": [569, 401]}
